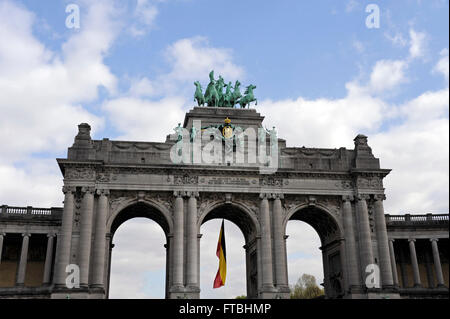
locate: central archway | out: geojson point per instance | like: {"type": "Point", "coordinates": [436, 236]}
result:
{"type": "Point", "coordinates": [138, 209]}
{"type": "Point", "coordinates": [246, 221]}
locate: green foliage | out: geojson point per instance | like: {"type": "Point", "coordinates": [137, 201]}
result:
{"type": "Point", "coordinates": [306, 288]}
{"type": "Point", "coordinates": [241, 297]}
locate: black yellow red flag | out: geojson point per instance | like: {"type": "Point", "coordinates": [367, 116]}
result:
{"type": "Point", "coordinates": [222, 255]}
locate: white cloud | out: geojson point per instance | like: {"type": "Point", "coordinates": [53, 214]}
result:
{"type": "Point", "coordinates": [418, 41]}
{"type": "Point", "coordinates": [41, 91]}
{"type": "Point", "coordinates": [192, 58]}
{"type": "Point", "coordinates": [325, 122]}
{"type": "Point", "coordinates": [145, 14]}
{"type": "Point", "coordinates": [443, 65]}
{"type": "Point", "coordinates": [387, 75]}
{"type": "Point", "coordinates": [144, 120]}
{"type": "Point", "coordinates": [397, 39]}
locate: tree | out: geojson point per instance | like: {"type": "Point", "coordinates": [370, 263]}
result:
{"type": "Point", "coordinates": [306, 288]}
{"type": "Point", "coordinates": [241, 297]}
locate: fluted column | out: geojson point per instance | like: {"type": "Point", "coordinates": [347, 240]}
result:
{"type": "Point", "coordinates": [64, 239]}
{"type": "Point", "coordinates": [98, 267]}
{"type": "Point", "coordinates": [365, 239]}
{"type": "Point", "coordinates": [383, 244]}
{"type": "Point", "coordinates": [353, 272]}
{"type": "Point", "coordinates": [48, 259]}
{"type": "Point", "coordinates": [437, 262]}
{"type": "Point", "coordinates": [393, 262]}
{"type": "Point", "coordinates": [266, 245]}
{"type": "Point", "coordinates": [414, 263]}
{"type": "Point", "coordinates": [2, 235]}
{"type": "Point", "coordinates": [178, 245]}
{"type": "Point", "coordinates": [279, 242]}
{"type": "Point", "coordinates": [84, 246]}
{"type": "Point", "coordinates": [192, 242]}
{"type": "Point", "coordinates": [23, 260]}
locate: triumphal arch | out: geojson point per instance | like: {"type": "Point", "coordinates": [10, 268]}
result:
{"type": "Point", "coordinates": [222, 162]}
{"type": "Point", "coordinates": [339, 192]}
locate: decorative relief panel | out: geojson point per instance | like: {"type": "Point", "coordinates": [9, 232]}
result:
{"type": "Point", "coordinates": [238, 181]}
{"type": "Point", "coordinates": [272, 181]}
{"type": "Point", "coordinates": [79, 173]}
{"type": "Point", "coordinates": [185, 179]}
{"type": "Point", "coordinates": [78, 198]}
{"type": "Point", "coordinates": [373, 182]}
{"type": "Point", "coordinates": [164, 199]}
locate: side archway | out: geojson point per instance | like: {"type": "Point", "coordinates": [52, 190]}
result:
{"type": "Point", "coordinates": [133, 208]}
{"type": "Point", "coordinates": [330, 232]}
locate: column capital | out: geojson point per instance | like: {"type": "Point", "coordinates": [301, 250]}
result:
{"type": "Point", "coordinates": [434, 239]}
{"type": "Point", "coordinates": [361, 197]}
{"type": "Point", "coordinates": [348, 198]}
{"type": "Point", "coordinates": [391, 239]}
{"type": "Point", "coordinates": [177, 194]}
{"type": "Point", "coordinates": [264, 195]}
{"type": "Point", "coordinates": [52, 234]}
{"type": "Point", "coordinates": [2, 234]}
{"type": "Point", "coordinates": [411, 240]}
{"type": "Point", "coordinates": [192, 194]}
{"type": "Point", "coordinates": [88, 190]}
{"type": "Point", "coordinates": [379, 197]}
{"type": "Point", "coordinates": [68, 189]}
{"type": "Point", "coordinates": [275, 196]}
{"type": "Point", "coordinates": [26, 234]}
{"type": "Point", "coordinates": [102, 192]}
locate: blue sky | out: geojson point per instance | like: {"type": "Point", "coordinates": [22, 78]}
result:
{"type": "Point", "coordinates": [322, 77]}
{"type": "Point", "coordinates": [289, 48]}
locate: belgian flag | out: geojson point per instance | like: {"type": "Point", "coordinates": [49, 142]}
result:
{"type": "Point", "coordinates": [222, 255]}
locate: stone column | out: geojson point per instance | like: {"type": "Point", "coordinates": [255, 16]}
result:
{"type": "Point", "coordinates": [107, 276]}
{"type": "Point", "coordinates": [353, 272]}
{"type": "Point", "coordinates": [48, 260]}
{"type": "Point", "coordinates": [266, 244]}
{"type": "Point", "coordinates": [437, 262]}
{"type": "Point", "coordinates": [393, 262]}
{"type": "Point", "coordinates": [383, 244]}
{"type": "Point", "coordinates": [365, 237]}
{"type": "Point", "coordinates": [279, 242]}
{"type": "Point", "coordinates": [404, 274]}
{"type": "Point", "coordinates": [2, 235]}
{"type": "Point", "coordinates": [414, 263]}
{"type": "Point", "coordinates": [84, 246]}
{"type": "Point", "coordinates": [192, 242]}
{"type": "Point", "coordinates": [178, 242]}
{"type": "Point", "coordinates": [23, 260]}
{"type": "Point", "coordinates": [100, 240]}
{"type": "Point", "coordinates": [64, 239]}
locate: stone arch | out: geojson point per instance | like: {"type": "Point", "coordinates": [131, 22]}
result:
{"type": "Point", "coordinates": [246, 220]}
{"type": "Point", "coordinates": [154, 209]}
{"type": "Point", "coordinates": [218, 207]}
{"type": "Point", "coordinates": [133, 208]}
{"type": "Point", "coordinates": [330, 231]}
{"type": "Point", "coordinates": [318, 209]}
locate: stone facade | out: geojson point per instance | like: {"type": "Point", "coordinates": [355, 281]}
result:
{"type": "Point", "coordinates": [339, 192]}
